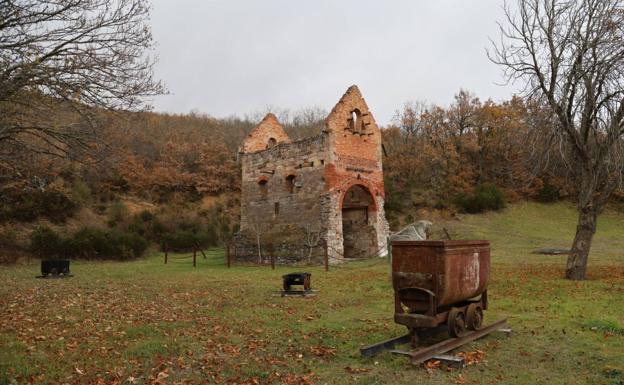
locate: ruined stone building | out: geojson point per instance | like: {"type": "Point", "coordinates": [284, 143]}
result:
{"type": "Point", "coordinates": [298, 197]}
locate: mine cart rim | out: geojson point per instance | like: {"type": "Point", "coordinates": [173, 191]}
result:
{"type": "Point", "coordinates": [456, 322]}
{"type": "Point", "coordinates": [474, 316]}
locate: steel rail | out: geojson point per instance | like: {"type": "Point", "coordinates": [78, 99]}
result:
{"type": "Point", "coordinates": [422, 355]}
{"type": "Point", "coordinates": [371, 350]}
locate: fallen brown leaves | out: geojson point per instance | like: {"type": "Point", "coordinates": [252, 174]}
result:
{"type": "Point", "coordinates": [432, 365]}
{"type": "Point", "coordinates": [162, 331]}
{"type": "Point", "coordinates": [460, 379]}
{"type": "Point", "coordinates": [321, 351]}
{"type": "Point", "coordinates": [472, 358]}
{"type": "Point", "coordinates": [356, 370]}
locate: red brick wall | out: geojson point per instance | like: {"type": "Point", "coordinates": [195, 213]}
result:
{"type": "Point", "coordinates": [356, 155]}
{"type": "Point", "coordinates": [259, 137]}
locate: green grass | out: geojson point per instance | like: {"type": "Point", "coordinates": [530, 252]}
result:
{"type": "Point", "coordinates": [136, 322]}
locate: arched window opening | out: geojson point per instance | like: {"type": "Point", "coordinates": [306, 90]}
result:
{"type": "Point", "coordinates": [264, 188]}
{"type": "Point", "coordinates": [272, 143]}
{"type": "Point", "coordinates": [290, 184]}
{"type": "Point", "coordinates": [355, 122]}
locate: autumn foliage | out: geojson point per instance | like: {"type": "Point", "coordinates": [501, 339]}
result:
{"type": "Point", "coordinates": [470, 156]}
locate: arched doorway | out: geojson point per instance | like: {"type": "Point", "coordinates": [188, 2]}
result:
{"type": "Point", "coordinates": [358, 230]}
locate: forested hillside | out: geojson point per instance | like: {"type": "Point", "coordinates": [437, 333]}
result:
{"type": "Point", "coordinates": [175, 178]}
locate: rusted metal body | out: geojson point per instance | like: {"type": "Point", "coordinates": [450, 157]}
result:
{"type": "Point", "coordinates": [437, 282]}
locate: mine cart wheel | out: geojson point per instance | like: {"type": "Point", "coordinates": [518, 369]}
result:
{"type": "Point", "coordinates": [286, 286]}
{"type": "Point", "coordinates": [456, 322]}
{"type": "Point", "coordinates": [306, 283]}
{"type": "Point", "coordinates": [474, 316]}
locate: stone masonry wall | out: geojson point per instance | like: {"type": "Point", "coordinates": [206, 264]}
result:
{"type": "Point", "coordinates": [294, 192]}
{"type": "Point", "coordinates": [282, 189]}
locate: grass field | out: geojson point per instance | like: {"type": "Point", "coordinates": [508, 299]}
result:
{"type": "Point", "coordinates": [146, 322]}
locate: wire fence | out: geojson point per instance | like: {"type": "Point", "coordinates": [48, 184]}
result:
{"type": "Point", "coordinates": [337, 256]}
{"type": "Point", "coordinates": [329, 256]}
{"type": "Point", "coordinates": [191, 258]}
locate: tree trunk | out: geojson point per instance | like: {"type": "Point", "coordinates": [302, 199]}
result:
{"type": "Point", "coordinates": [259, 250]}
{"type": "Point", "coordinates": [586, 228]}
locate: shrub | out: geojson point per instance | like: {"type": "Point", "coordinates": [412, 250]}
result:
{"type": "Point", "coordinates": [147, 225]}
{"type": "Point", "coordinates": [102, 244]}
{"type": "Point", "coordinates": [182, 240]}
{"type": "Point", "coordinates": [80, 191]}
{"type": "Point", "coordinates": [130, 245]}
{"type": "Point", "coordinates": [8, 237]}
{"type": "Point", "coordinates": [485, 197]}
{"type": "Point", "coordinates": [29, 206]}
{"type": "Point", "coordinates": [117, 213]}
{"type": "Point", "coordinates": [89, 243]}
{"type": "Point", "coordinates": [46, 243]}
{"type": "Point", "coordinates": [548, 193]}
{"type": "Point", "coordinates": [146, 216]}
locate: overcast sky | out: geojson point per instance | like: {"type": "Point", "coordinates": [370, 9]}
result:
{"type": "Point", "coordinates": [235, 57]}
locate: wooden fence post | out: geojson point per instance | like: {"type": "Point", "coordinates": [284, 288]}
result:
{"type": "Point", "coordinates": [326, 256]}
{"type": "Point", "coordinates": [227, 254]}
{"type": "Point", "coordinates": [271, 252]}
{"type": "Point", "coordinates": [165, 247]}
{"type": "Point", "coordinates": [200, 249]}
{"type": "Point", "coordinates": [194, 257]}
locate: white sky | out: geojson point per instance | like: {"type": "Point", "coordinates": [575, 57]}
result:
{"type": "Point", "coordinates": [236, 57]}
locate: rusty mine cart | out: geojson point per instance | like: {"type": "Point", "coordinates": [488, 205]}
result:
{"type": "Point", "coordinates": [440, 282]}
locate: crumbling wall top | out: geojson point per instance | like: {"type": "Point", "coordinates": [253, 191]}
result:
{"type": "Point", "coordinates": [267, 134]}
{"type": "Point", "coordinates": [351, 114]}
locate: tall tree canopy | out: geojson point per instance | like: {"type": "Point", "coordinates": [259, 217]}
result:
{"type": "Point", "coordinates": [570, 56]}
{"type": "Point", "coordinates": [64, 61]}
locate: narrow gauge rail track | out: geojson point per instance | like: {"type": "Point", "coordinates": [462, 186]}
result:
{"type": "Point", "coordinates": [430, 352]}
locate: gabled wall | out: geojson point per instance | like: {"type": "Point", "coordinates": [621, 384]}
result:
{"type": "Point", "coordinates": [356, 154]}
{"type": "Point", "coordinates": [268, 133]}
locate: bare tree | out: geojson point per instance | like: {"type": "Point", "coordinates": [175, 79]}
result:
{"type": "Point", "coordinates": [570, 56]}
{"type": "Point", "coordinates": [410, 120]}
{"type": "Point", "coordinates": [312, 237]}
{"type": "Point", "coordinates": [257, 228]}
{"type": "Point", "coordinates": [62, 63]}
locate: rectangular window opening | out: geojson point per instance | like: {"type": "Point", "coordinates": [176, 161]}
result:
{"type": "Point", "coordinates": [276, 208]}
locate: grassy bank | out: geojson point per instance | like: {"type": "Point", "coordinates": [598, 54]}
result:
{"type": "Point", "coordinates": [143, 321]}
